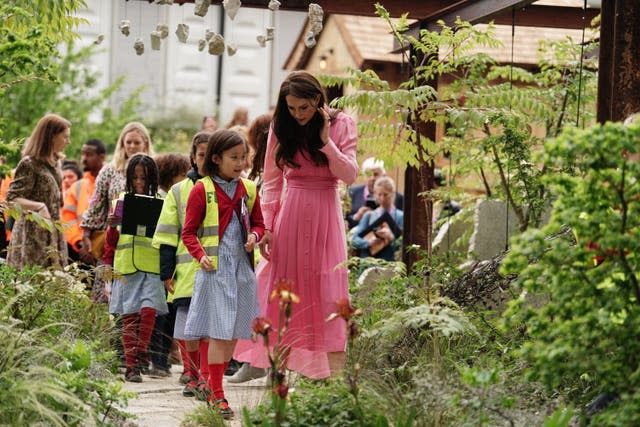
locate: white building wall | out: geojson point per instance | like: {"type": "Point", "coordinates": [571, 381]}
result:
{"type": "Point", "coordinates": [178, 74]}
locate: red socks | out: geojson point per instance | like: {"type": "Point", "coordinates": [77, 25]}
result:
{"type": "Point", "coordinates": [183, 355]}
{"type": "Point", "coordinates": [216, 372]}
{"type": "Point", "coordinates": [129, 339]}
{"type": "Point", "coordinates": [204, 359]}
{"type": "Point", "coordinates": [147, 322]}
{"type": "Point", "coordinates": [193, 362]}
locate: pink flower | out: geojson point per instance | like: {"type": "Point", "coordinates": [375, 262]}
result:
{"type": "Point", "coordinates": [344, 310]}
{"type": "Point", "coordinates": [261, 326]}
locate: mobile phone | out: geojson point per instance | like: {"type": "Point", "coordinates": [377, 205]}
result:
{"type": "Point", "coordinates": [371, 204]}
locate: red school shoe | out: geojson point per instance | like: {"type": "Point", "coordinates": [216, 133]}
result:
{"type": "Point", "coordinates": [221, 406]}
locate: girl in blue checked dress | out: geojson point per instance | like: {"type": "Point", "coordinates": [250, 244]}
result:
{"type": "Point", "coordinates": [224, 210]}
{"type": "Point", "coordinates": [137, 293]}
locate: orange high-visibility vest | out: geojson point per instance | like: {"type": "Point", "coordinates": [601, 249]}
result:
{"type": "Point", "coordinates": [4, 190]}
{"type": "Point", "coordinates": [76, 201]}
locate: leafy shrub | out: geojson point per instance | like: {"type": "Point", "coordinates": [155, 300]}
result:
{"type": "Point", "coordinates": [580, 295]}
{"type": "Point", "coordinates": [56, 367]}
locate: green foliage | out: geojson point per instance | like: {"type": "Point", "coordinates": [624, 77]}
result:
{"type": "Point", "coordinates": [583, 321]}
{"type": "Point", "coordinates": [55, 368]}
{"type": "Point", "coordinates": [203, 416]}
{"type": "Point", "coordinates": [74, 96]}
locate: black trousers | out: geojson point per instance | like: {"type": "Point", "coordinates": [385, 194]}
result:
{"type": "Point", "coordinates": [162, 338]}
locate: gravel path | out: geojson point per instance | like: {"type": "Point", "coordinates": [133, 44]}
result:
{"type": "Point", "coordinates": [160, 402]}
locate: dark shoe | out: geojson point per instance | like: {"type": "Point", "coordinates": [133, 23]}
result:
{"type": "Point", "coordinates": [143, 363]}
{"type": "Point", "coordinates": [247, 373]}
{"type": "Point", "coordinates": [155, 372]}
{"type": "Point", "coordinates": [190, 389]}
{"type": "Point", "coordinates": [221, 406]}
{"type": "Point", "coordinates": [232, 368]}
{"type": "Point", "coordinates": [187, 377]}
{"type": "Point", "coordinates": [202, 391]}
{"type": "Point", "coordinates": [132, 375]}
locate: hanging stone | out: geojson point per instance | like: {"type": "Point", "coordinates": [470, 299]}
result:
{"type": "Point", "coordinates": [163, 29]}
{"type": "Point", "coordinates": [216, 45]}
{"type": "Point", "coordinates": [139, 46]}
{"type": "Point", "coordinates": [202, 43]}
{"type": "Point", "coordinates": [310, 39]}
{"type": "Point", "coordinates": [208, 34]}
{"type": "Point", "coordinates": [156, 37]}
{"type": "Point", "coordinates": [182, 32]}
{"type": "Point", "coordinates": [99, 39]}
{"type": "Point", "coordinates": [231, 7]}
{"type": "Point", "coordinates": [270, 33]}
{"type": "Point", "coordinates": [164, 2]}
{"type": "Point", "coordinates": [262, 41]}
{"type": "Point", "coordinates": [231, 49]}
{"type": "Point", "coordinates": [274, 5]}
{"type": "Point", "coordinates": [315, 18]}
{"type": "Point", "coordinates": [125, 27]}
{"type": "Point", "coordinates": [202, 7]}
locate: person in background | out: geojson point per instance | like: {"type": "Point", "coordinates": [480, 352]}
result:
{"type": "Point", "coordinates": [384, 191]}
{"type": "Point", "coordinates": [70, 173]}
{"type": "Point", "coordinates": [240, 118]}
{"type": "Point", "coordinates": [172, 168]}
{"type": "Point", "coordinates": [5, 232]}
{"type": "Point", "coordinates": [137, 294]}
{"type": "Point", "coordinates": [227, 210]}
{"type": "Point", "coordinates": [362, 200]}
{"type": "Point", "coordinates": [312, 147]}
{"type": "Point", "coordinates": [76, 199]}
{"type": "Point", "coordinates": [209, 123]}
{"type": "Point", "coordinates": [37, 188]}
{"type": "Point", "coordinates": [178, 270]}
{"type": "Point", "coordinates": [134, 138]}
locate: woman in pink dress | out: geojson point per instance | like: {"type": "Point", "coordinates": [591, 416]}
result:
{"type": "Point", "coordinates": [310, 148]}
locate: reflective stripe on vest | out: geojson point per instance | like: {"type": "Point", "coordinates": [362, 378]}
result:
{"type": "Point", "coordinates": [210, 242]}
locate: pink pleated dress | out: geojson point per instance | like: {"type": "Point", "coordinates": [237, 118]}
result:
{"type": "Point", "coordinates": [302, 208]}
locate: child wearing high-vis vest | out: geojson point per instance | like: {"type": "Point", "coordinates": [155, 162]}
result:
{"type": "Point", "coordinates": [224, 210]}
{"type": "Point", "coordinates": [178, 271]}
{"type": "Point", "coordinates": [137, 293]}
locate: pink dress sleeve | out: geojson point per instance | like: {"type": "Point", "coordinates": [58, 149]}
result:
{"type": "Point", "coordinates": [272, 183]}
{"type": "Point", "coordinates": [341, 149]}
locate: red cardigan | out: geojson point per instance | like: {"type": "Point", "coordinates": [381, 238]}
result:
{"type": "Point", "coordinates": [197, 209]}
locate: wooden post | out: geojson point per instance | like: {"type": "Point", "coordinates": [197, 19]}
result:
{"type": "Point", "coordinates": [619, 69]}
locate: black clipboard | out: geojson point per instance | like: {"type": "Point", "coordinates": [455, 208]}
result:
{"type": "Point", "coordinates": [140, 214]}
{"type": "Point", "coordinates": [385, 217]}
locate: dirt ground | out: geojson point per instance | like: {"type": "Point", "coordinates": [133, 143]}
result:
{"type": "Point", "coordinates": [160, 402]}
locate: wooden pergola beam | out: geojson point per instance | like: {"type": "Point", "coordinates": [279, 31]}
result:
{"type": "Point", "coordinates": [418, 9]}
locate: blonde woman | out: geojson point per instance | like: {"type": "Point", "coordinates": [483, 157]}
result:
{"type": "Point", "coordinates": [110, 182]}
{"type": "Point", "coordinates": [37, 187]}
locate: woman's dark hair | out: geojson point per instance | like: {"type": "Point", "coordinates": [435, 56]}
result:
{"type": "Point", "coordinates": [257, 139]}
{"type": "Point", "coordinates": [150, 169]}
{"type": "Point", "coordinates": [219, 142]}
{"type": "Point", "coordinates": [170, 166]}
{"type": "Point", "coordinates": [72, 165]}
{"type": "Point", "coordinates": [291, 136]}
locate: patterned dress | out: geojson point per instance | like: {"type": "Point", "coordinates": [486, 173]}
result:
{"type": "Point", "coordinates": [109, 184]}
{"type": "Point", "coordinates": [32, 244]}
{"type": "Point", "coordinates": [308, 243]}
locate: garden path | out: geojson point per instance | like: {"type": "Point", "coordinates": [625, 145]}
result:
{"type": "Point", "coordinates": [160, 402]}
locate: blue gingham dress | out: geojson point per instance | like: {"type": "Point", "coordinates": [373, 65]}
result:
{"type": "Point", "coordinates": [224, 302]}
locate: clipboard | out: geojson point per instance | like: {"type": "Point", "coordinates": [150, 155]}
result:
{"type": "Point", "coordinates": [140, 214]}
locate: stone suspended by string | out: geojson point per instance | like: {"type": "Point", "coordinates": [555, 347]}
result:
{"type": "Point", "coordinates": [163, 29]}
{"type": "Point", "coordinates": [269, 34]}
{"type": "Point", "coordinates": [216, 45]}
{"type": "Point", "coordinates": [202, 7]}
{"type": "Point", "coordinates": [315, 20]}
{"type": "Point", "coordinates": [231, 7]}
{"type": "Point", "coordinates": [208, 34]}
{"type": "Point", "coordinates": [139, 46]}
{"type": "Point", "coordinates": [164, 1]}
{"type": "Point", "coordinates": [182, 32]}
{"type": "Point", "coordinates": [99, 39]}
{"type": "Point", "coordinates": [156, 37]}
{"type": "Point", "coordinates": [125, 27]}
{"type": "Point", "coordinates": [231, 49]}
{"type": "Point", "coordinates": [274, 5]}
{"type": "Point", "coordinates": [202, 43]}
